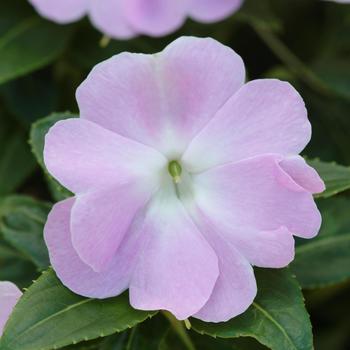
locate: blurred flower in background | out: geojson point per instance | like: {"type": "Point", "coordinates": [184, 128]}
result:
{"type": "Point", "coordinates": [341, 1]}
{"type": "Point", "coordinates": [125, 19]}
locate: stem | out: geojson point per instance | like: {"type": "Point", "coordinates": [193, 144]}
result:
{"type": "Point", "coordinates": [180, 329]}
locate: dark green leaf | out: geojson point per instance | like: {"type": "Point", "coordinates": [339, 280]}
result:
{"type": "Point", "coordinates": [15, 267]}
{"type": "Point", "coordinates": [30, 98]}
{"type": "Point", "coordinates": [22, 222]}
{"type": "Point", "coordinates": [27, 42]}
{"type": "Point", "coordinates": [50, 316]}
{"type": "Point", "coordinates": [325, 259]}
{"type": "Point", "coordinates": [336, 75]}
{"type": "Point", "coordinates": [277, 318]}
{"type": "Point", "coordinates": [16, 161]}
{"type": "Point", "coordinates": [37, 141]}
{"type": "Point", "coordinates": [336, 177]}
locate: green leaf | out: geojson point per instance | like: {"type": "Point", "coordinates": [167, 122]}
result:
{"type": "Point", "coordinates": [30, 98]}
{"type": "Point", "coordinates": [16, 161]}
{"type": "Point", "coordinates": [22, 222]}
{"type": "Point", "coordinates": [14, 267]}
{"type": "Point", "coordinates": [277, 318]}
{"type": "Point", "coordinates": [50, 316]}
{"type": "Point", "coordinates": [335, 176]}
{"type": "Point", "coordinates": [37, 140]}
{"type": "Point", "coordinates": [27, 42]}
{"type": "Point", "coordinates": [336, 75]}
{"type": "Point", "coordinates": [203, 342]}
{"type": "Point", "coordinates": [325, 260]}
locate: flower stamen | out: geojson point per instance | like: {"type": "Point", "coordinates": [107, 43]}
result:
{"type": "Point", "coordinates": [175, 171]}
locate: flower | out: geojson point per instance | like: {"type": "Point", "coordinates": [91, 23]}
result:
{"type": "Point", "coordinates": [184, 177]}
{"type": "Point", "coordinates": [9, 295]}
{"type": "Point", "coordinates": [128, 18]}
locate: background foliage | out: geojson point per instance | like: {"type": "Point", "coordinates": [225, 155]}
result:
{"type": "Point", "coordinates": [306, 42]}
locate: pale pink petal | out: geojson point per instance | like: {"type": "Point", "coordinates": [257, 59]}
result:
{"type": "Point", "coordinates": [78, 276]}
{"type": "Point", "coordinates": [213, 10]}
{"type": "Point", "coordinates": [122, 95]}
{"type": "Point", "coordinates": [273, 249]}
{"type": "Point", "coordinates": [264, 116]}
{"type": "Point", "coordinates": [304, 175]}
{"type": "Point", "coordinates": [155, 17]}
{"type": "Point", "coordinates": [109, 17]}
{"type": "Point", "coordinates": [100, 220]}
{"type": "Point", "coordinates": [82, 156]}
{"type": "Point", "coordinates": [165, 99]}
{"type": "Point", "coordinates": [256, 194]}
{"type": "Point", "coordinates": [198, 77]}
{"type": "Point", "coordinates": [178, 269]}
{"type": "Point", "coordinates": [61, 11]}
{"type": "Point", "coordinates": [9, 295]}
{"type": "Point", "coordinates": [235, 288]}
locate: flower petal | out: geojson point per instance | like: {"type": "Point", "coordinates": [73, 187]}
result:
{"type": "Point", "coordinates": [264, 116]}
{"type": "Point", "coordinates": [100, 220]}
{"type": "Point", "coordinates": [303, 174]}
{"type": "Point", "coordinates": [178, 269]}
{"type": "Point", "coordinates": [61, 11]}
{"type": "Point", "coordinates": [213, 10]}
{"type": "Point", "coordinates": [122, 94]}
{"type": "Point", "coordinates": [83, 156]}
{"type": "Point", "coordinates": [273, 248]}
{"type": "Point", "coordinates": [73, 272]}
{"type": "Point", "coordinates": [167, 97]}
{"type": "Point", "coordinates": [256, 194]}
{"type": "Point", "coordinates": [198, 76]}
{"type": "Point", "coordinates": [108, 16]}
{"type": "Point", "coordinates": [155, 17]}
{"type": "Point", "coordinates": [9, 295]}
{"type": "Point", "coordinates": [235, 288]}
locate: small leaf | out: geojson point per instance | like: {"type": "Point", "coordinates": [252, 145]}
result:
{"type": "Point", "coordinates": [325, 260]}
{"type": "Point", "coordinates": [50, 316]}
{"type": "Point", "coordinates": [22, 222]}
{"type": "Point", "coordinates": [277, 318]}
{"type": "Point", "coordinates": [335, 176]}
{"type": "Point", "coordinates": [37, 141]}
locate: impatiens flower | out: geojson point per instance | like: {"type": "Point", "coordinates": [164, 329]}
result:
{"type": "Point", "coordinates": [184, 177]}
{"type": "Point", "coordinates": [128, 18]}
{"type": "Point", "coordinates": [9, 295]}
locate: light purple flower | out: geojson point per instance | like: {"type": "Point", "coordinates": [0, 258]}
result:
{"type": "Point", "coordinates": [9, 295]}
{"type": "Point", "coordinates": [128, 18]}
{"type": "Point", "coordinates": [184, 178]}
